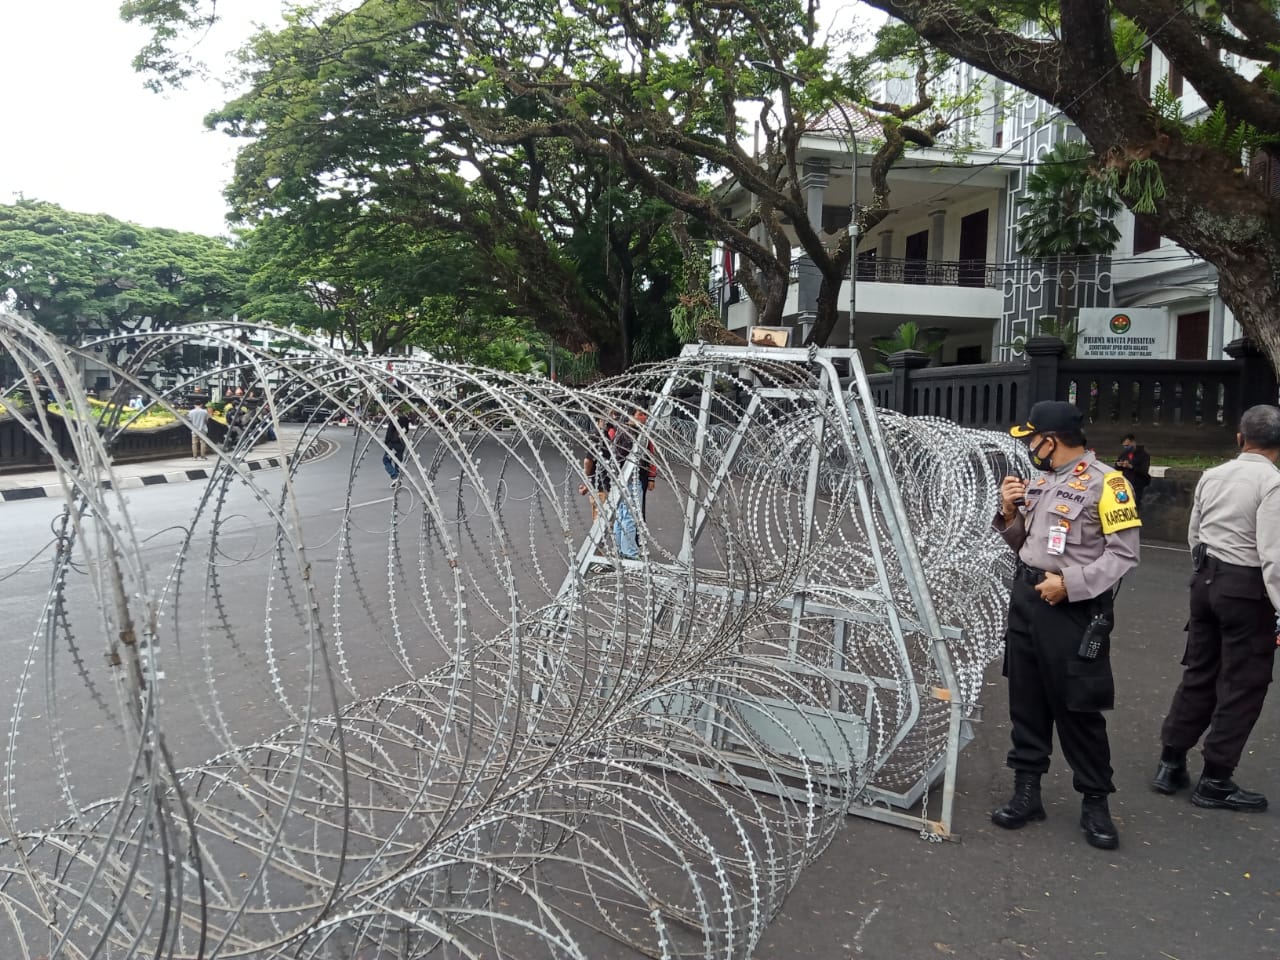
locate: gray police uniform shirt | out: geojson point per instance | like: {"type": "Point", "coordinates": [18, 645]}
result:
{"type": "Point", "coordinates": [1103, 530]}
{"type": "Point", "coordinates": [1236, 515]}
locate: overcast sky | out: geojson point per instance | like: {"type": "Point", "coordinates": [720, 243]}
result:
{"type": "Point", "coordinates": [79, 129]}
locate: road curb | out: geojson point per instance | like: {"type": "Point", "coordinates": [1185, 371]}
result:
{"type": "Point", "coordinates": [146, 480]}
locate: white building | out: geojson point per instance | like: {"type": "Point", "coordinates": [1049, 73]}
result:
{"type": "Point", "coordinates": [935, 260]}
{"type": "Point", "coordinates": [947, 257]}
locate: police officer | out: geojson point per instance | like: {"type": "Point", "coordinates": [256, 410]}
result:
{"type": "Point", "coordinates": [1232, 634]}
{"type": "Point", "coordinates": [1076, 532]}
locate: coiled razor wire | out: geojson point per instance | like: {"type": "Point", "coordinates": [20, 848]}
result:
{"type": "Point", "coordinates": [448, 718]}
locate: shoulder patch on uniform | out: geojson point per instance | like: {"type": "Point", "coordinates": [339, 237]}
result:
{"type": "Point", "coordinates": [1116, 508]}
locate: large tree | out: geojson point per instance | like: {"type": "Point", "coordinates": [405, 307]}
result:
{"type": "Point", "coordinates": [327, 129]}
{"type": "Point", "coordinates": [657, 100]}
{"type": "Point", "coordinates": [1084, 57]}
{"type": "Point", "coordinates": [81, 274]}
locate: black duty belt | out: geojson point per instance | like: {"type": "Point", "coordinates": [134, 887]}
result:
{"type": "Point", "coordinates": [1213, 561]}
{"type": "Point", "coordinates": [1030, 574]}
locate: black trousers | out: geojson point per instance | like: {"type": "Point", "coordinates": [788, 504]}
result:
{"type": "Point", "coordinates": [1231, 646]}
{"type": "Point", "coordinates": [1050, 686]}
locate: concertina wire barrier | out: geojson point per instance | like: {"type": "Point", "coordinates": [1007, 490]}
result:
{"type": "Point", "coordinates": [324, 719]}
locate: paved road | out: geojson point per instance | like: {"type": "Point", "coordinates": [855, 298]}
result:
{"type": "Point", "coordinates": [1185, 884]}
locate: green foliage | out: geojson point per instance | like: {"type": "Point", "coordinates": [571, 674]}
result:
{"type": "Point", "coordinates": [377, 283]}
{"type": "Point", "coordinates": [1130, 40]}
{"type": "Point", "coordinates": [167, 20]}
{"type": "Point", "coordinates": [1238, 141]}
{"type": "Point", "coordinates": [334, 119]}
{"type": "Point", "coordinates": [1236, 138]}
{"type": "Point", "coordinates": [906, 336]}
{"type": "Point", "coordinates": [1166, 105]}
{"type": "Point", "coordinates": [1143, 185]}
{"type": "Point", "coordinates": [1067, 210]}
{"type": "Point", "coordinates": [78, 274]}
{"type": "Point", "coordinates": [1067, 330]}
{"type": "Point", "coordinates": [578, 368]}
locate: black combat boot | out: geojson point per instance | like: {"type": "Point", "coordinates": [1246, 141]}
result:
{"type": "Point", "coordinates": [1024, 806]}
{"type": "Point", "coordinates": [1223, 794]}
{"type": "Point", "coordinates": [1171, 775]}
{"type": "Point", "coordinates": [1095, 820]}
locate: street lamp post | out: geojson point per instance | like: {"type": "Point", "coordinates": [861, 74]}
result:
{"type": "Point", "coordinates": [853, 218]}
{"type": "Point", "coordinates": [853, 187]}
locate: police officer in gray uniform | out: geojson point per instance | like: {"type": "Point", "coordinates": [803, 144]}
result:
{"type": "Point", "coordinates": [1232, 633]}
{"type": "Point", "coordinates": [1076, 532]}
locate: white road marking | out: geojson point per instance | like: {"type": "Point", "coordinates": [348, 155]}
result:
{"type": "Point", "coordinates": [367, 503]}
{"type": "Point", "coordinates": [857, 937]}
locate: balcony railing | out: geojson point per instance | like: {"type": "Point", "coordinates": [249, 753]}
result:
{"type": "Point", "coordinates": [934, 273]}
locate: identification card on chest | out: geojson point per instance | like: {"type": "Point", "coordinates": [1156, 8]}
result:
{"type": "Point", "coordinates": [1057, 539]}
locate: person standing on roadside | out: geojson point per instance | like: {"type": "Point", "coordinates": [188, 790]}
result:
{"type": "Point", "coordinates": [398, 425]}
{"type": "Point", "coordinates": [1233, 630]}
{"type": "Point", "coordinates": [626, 525]}
{"type": "Point", "coordinates": [1135, 463]}
{"type": "Point", "coordinates": [198, 420]}
{"type": "Point", "coordinates": [647, 465]}
{"type": "Point", "coordinates": [1076, 533]}
{"type": "Point", "coordinates": [592, 465]}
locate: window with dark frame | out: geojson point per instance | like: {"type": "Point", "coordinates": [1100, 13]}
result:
{"type": "Point", "coordinates": [1264, 169]}
{"type": "Point", "coordinates": [1146, 234]}
{"type": "Point", "coordinates": [915, 269]}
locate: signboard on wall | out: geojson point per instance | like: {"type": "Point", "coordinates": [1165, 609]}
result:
{"type": "Point", "coordinates": [1112, 333]}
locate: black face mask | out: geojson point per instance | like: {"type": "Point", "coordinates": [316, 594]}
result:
{"type": "Point", "coordinates": [1039, 460]}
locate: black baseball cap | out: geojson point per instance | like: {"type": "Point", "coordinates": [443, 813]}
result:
{"type": "Point", "coordinates": [1050, 416]}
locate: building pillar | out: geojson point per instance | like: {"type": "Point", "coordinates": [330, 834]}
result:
{"type": "Point", "coordinates": [900, 365]}
{"type": "Point", "coordinates": [814, 180]}
{"type": "Point", "coordinates": [1217, 325]}
{"type": "Point", "coordinates": [884, 252]}
{"type": "Point", "coordinates": [1044, 354]}
{"type": "Point", "coordinates": [1257, 380]}
{"type": "Point", "coordinates": [937, 234]}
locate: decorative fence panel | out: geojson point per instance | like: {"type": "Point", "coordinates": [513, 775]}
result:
{"type": "Point", "coordinates": [1178, 407]}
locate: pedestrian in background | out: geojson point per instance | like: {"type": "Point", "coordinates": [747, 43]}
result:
{"type": "Point", "coordinates": [647, 465]}
{"type": "Point", "coordinates": [626, 524]}
{"type": "Point", "coordinates": [598, 482]}
{"type": "Point", "coordinates": [198, 420]}
{"type": "Point", "coordinates": [1135, 463]}
{"type": "Point", "coordinates": [1233, 631]}
{"type": "Point", "coordinates": [398, 426]}
{"type": "Point", "coordinates": [1076, 533]}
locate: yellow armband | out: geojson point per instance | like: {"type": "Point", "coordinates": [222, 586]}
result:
{"type": "Point", "coordinates": [1116, 508]}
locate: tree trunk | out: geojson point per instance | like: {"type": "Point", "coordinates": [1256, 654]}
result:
{"type": "Point", "coordinates": [776, 286]}
{"type": "Point", "coordinates": [626, 316]}
{"type": "Point", "coordinates": [827, 313]}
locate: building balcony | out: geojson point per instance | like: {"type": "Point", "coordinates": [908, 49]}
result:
{"type": "Point", "coordinates": [963, 297]}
